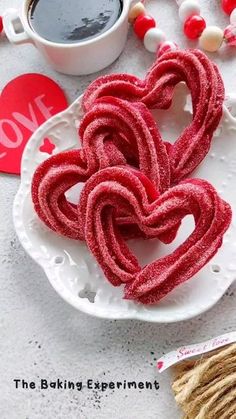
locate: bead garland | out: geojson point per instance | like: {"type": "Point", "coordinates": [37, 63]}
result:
{"type": "Point", "coordinates": [194, 26]}
{"type": "Point", "coordinates": [210, 37]}
{"type": "Point", "coordinates": [144, 25]}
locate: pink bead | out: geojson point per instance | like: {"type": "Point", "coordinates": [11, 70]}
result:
{"type": "Point", "coordinates": [230, 35]}
{"type": "Point", "coordinates": [194, 26]}
{"type": "Point", "coordinates": [142, 24]}
{"type": "Point", "coordinates": [228, 6]}
{"type": "Point", "coordinates": [166, 46]}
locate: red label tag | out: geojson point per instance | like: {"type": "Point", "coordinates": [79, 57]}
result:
{"type": "Point", "coordinates": [25, 103]}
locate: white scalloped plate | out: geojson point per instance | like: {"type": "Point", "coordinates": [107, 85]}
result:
{"type": "Point", "coordinates": [70, 267]}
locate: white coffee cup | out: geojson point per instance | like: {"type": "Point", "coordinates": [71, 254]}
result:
{"type": "Point", "coordinates": [80, 58]}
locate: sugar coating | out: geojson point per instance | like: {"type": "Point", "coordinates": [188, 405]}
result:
{"type": "Point", "coordinates": [123, 188]}
{"type": "Point", "coordinates": [156, 91]}
{"type": "Point", "coordinates": [113, 132]}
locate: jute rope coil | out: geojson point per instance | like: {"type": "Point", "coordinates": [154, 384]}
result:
{"type": "Point", "coordinates": [206, 388]}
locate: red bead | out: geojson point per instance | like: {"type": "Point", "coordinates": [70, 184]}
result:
{"type": "Point", "coordinates": [1, 24]}
{"type": "Point", "coordinates": [142, 24]}
{"type": "Point", "coordinates": [166, 46]}
{"type": "Point", "coordinates": [230, 35]}
{"type": "Point", "coordinates": [228, 6]}
{"type": "Point", "coordinates": [194, 26]}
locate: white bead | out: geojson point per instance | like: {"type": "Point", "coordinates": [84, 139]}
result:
{"type": "Point", "coordinates": [135, 11]}
{"type": "Point", "coordinates": [179, 2]}
{"type": "Point", "coordinates": [211, 38]}
{"type": "Point", "coordinates": [233, 17]}
{"type": "Point", "coordinates": [153, 38]}
{"type": "Point", "coordinates": [188, 8]}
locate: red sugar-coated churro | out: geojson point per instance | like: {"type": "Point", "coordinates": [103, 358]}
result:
{"type": "Point", "coordinates": [156, 91]}
{"type": "Point", "coordinates": [133, 180]}
{"type": "Point", "coordinates": [122, 188]}
{"type": "Point", "coordinates": [133, 130]}
{"type": "Point", "coordinates": [114, 132]}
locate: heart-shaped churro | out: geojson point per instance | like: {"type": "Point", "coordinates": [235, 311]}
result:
{"type": "Point", "coordinates": [133, 180]}
{"type": "Point", "coordinates": [156, 91]}
{"type": "Point", "coordinates": [122, 188]}
{"type": "Point", "coordinates": [114, 132]}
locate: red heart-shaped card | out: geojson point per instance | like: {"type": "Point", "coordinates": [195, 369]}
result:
{"type": "Point", "coordinates": [25, 103]}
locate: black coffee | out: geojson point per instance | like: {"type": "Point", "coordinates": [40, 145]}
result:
{"type": "Point", "coordinates": [70, 21]}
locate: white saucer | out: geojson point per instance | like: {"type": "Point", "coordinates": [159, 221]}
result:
{"type": "Point", "coordinates": [70, 267]}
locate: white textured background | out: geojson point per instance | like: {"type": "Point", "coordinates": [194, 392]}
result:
{"type": "Point", "coordinates": [41, 336]}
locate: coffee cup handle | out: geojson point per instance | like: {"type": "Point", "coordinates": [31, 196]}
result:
{"type": "Point", "coordinates": [15, 34]}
